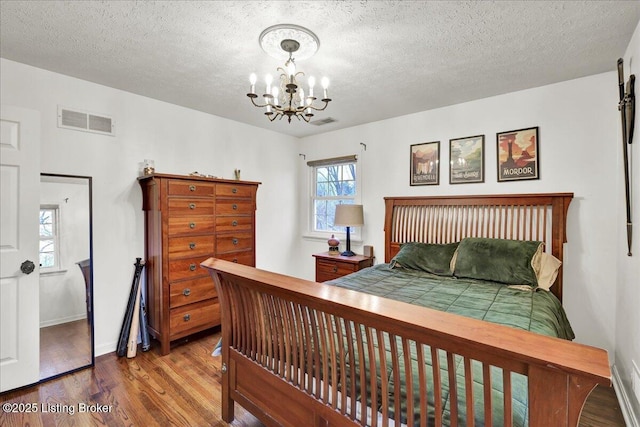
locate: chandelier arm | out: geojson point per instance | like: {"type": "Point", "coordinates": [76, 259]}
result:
{"type": "Point", "coordinates": [257, 105]}
{"type": "Point", "coordinates": [326, 103]}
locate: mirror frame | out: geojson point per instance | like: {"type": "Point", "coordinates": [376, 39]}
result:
{"type": "Point", "coordinates": [91, 281]}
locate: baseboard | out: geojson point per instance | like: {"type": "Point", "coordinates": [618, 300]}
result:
{"type": "Point", "coordinates": [60, 321]}
{"type": "Point", "coordinates": [630, 417]}
{"type": "Point", "coordinates": [105, 348]}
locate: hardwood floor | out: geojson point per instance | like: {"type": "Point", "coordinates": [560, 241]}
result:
{"type": "Point", "coordinates": [182, 388]}
{"type": "Point", "coordinates": [64, 347]}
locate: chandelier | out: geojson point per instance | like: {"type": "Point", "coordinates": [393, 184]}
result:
{"type": "Point", "coordinates": [286, 98]}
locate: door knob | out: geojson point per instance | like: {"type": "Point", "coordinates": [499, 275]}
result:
{"type": "Point", "coordinates": [27, 267]}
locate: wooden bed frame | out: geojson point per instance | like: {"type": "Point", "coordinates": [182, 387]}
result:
{"type": "Point", "coordinates": [286, 341]}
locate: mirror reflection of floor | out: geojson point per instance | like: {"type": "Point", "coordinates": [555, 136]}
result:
{"type": "Point", "coordinates": [64, 347]}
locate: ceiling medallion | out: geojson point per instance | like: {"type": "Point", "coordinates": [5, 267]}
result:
{"type": "Point", "coordinates": [287, 98]}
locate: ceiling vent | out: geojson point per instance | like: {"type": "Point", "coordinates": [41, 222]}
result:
{"type": "Point", "coordinates": [85, 121]}
{"type": "Point", "coordinates": [323, 121]}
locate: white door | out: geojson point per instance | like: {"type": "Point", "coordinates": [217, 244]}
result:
{"type": "Point", "coordinates": [19, 242]}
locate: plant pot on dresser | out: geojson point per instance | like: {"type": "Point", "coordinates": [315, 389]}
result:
{"type": "Point", "coordinates": [189, 219]}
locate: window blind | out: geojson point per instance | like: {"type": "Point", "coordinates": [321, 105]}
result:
{"type": "Point", "coordinates": [333, 161]}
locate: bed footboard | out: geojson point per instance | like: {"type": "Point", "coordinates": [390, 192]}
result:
{"type": "Point", "coordinates": [299, 353]}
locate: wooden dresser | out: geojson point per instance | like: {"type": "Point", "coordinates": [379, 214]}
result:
{"type": "Point", "coordinates": [187, 220]}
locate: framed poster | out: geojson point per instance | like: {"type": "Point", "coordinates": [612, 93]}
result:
{"type": "Point", "coordinates": [425, 164]}
{"type": "Point", "coordinates": [518, 155]}
{"type": "Point", "coordinates": [466, 157]}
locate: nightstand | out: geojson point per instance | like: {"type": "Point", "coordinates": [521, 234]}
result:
{"type": "Point", "coordinates": [329, 267]}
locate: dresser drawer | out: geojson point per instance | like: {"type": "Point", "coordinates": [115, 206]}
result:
{"type": "Point", "coordinates": [191, 224]}
{"type": "Point", "coordinates": [231, 223]}
{"type": "Point", "coordinates": [234, 242]}
{"type": "Point", "coordinates": [234, 207]}
{"type": "Point", "coordinates": [190, 291]}
{"type": "Point", "coordinates": [180, 247]}
{"type": "Point", "coordinates": [190, 188]}
{"type": "Point", "coordinates": [194, 317]}
{"type": "Point", "coordinates": [187, 268]}
{"type": "Point", "coordinates": [188, 206]}
{"type": "Point", "coordinates": [232, 190]}
{"type": "Point", "coordinates": [244, 258]}
{"type": "Point", "coordinates": [334, 269]}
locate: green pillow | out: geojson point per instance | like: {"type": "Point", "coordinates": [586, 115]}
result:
{"type": "Point", "coordinates": [497, 260]}
{"type": "Point", "coordinates": [430, 257]}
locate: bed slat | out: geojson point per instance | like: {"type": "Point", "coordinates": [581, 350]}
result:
{"type": "Point", "coordinates": [468, 385]}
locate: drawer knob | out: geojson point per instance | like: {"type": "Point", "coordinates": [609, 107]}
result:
{"type": "Point", "coordinates": [192, 205]}
{"type": "Point", "coordinates": [186, 292]}
{"type": "Point", "coordinates": [187, 317]}
{"type": "Point", "coordinates": [192, 225]}
{"type": "Point", "coordinates": [192, 267]}
{"type": "Point", "coordinates": [192, 245]}
{"type": "Point", "coordinates": [234, 223]}
{"type": "Point", "coordinates": [335, 268]}
{"type": "Point", "coordinates": [234, 190]}
{"type": "Point", "coordinates": [192, 188]}
{"type": "Point", "coordinates": [235, 260]}
{"type": "Point", "coordinates": [234, 241]}
{"type": "Point", "coordinates": [234, 207]}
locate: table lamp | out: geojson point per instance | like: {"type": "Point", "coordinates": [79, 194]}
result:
{"type": "Point", "coordinates": [348, 216]}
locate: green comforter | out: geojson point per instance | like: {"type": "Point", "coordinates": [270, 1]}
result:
{"type": "Point", "coordinates": [539, 312]}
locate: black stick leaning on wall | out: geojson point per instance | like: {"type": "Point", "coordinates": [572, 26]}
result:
{"type": "Point", "coordinates": [627, 114]}
{"type": "Point", "coordinates": [121, 350]}
{"type": "Point", "coordinates": [144, 330]}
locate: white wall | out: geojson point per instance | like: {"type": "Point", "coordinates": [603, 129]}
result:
{"type": "Point", "coordinates": [180, 141]}
{"type": "Point", "coordinates": [628, 290]}
{"type": "Point", "coordinates": [577, 123]}
{"type": "Point", "coordinates": [63, 294]}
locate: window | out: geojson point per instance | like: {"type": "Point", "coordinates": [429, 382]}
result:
{"type": "Point", "coordinates": [49, 239]}
{"type": "Point", "coordinates": [334, 182]}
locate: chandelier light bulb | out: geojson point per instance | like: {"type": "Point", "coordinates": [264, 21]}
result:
{"type": "Point", "coordinates": [253, 78]}
{"type": "Point", "coordinates": [301, 97]}
{"type": "Point", "coordinates": [275, 92]}
{"type": "Point", "coordinates": [312, 83]}
{"type": "Point", "coordinates": [325, 86]}
{"type": "Point", "coordinates": [268, 79]}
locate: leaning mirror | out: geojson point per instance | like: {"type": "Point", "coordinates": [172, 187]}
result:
{"type": "Point", "coordinates": [66, 274]}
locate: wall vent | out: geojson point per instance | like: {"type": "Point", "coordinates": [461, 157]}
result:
{"type": "Point", "coordinates": [323, 121]}
{"type": "Point", "coordinates": [72, 118]}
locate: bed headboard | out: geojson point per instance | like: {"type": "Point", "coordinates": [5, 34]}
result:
{"type": "Point", "coordinates": [448, 219]}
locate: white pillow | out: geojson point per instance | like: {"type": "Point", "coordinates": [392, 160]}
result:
{"type": "Point", "coordinates": [548, 272]}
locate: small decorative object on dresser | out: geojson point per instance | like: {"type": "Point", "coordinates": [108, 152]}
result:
{"type": "Point", "coordinates": [329, 267]}
{"type": "Point", "coordinates": [333, 245]}
{"type": "Point", "coordinates": [189, 219]}
{"type": "Point", "coordinates": [148, 167]}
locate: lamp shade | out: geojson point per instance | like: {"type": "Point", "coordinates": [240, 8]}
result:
{"type": "Point", "coordinates": [349, 215]}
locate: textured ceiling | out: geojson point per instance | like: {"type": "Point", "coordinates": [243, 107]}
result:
{"type": "Point", "coordinates": [384, 58]}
